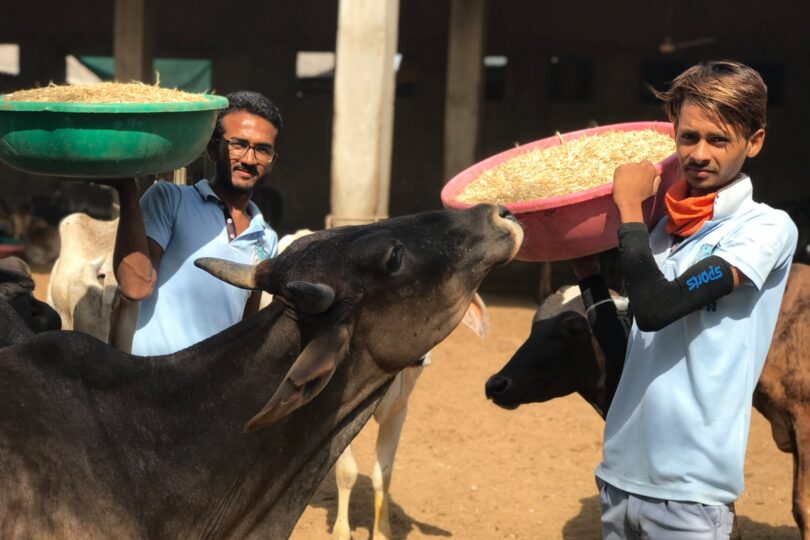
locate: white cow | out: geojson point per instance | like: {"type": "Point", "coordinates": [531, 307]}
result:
{"type": "Point", "coordinates": [82, 286]}
{"type": "Point", "coordinates": [390, 415]}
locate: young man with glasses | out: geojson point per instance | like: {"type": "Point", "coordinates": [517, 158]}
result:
{"type": "Point", "coordinates": [159, 238]}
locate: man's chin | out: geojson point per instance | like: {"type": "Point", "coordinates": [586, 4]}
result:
{"type": "Point", "coordinates": [243, 185]}
{"type": "Point", "coordinates": [241, 189]}
{"type": "Point", "coordinates": [701, 181]}
{"type": "Point", "coordinates": [707, 185]}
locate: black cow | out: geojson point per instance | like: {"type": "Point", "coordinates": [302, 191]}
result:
{"type": "Point", "coordinates": [560, 357]}
{"type": "Point", "coordinates": [21, 315]}
{"type": "Point", "coordinates": [100, 444]}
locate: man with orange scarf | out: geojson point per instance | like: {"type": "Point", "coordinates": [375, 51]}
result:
{"type": "Point", "coordinates": [705, 287]}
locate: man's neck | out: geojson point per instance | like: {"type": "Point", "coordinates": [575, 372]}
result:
{"type": "Point", "coordinates": [694, 192]}
{"type": "Point", "coordinates": [234, 201]}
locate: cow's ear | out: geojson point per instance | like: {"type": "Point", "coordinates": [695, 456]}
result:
{"type": "Point", "coordinates": [306, 378]}
{"type": "Point", "coordinates": [476, 316]}
{"type": "Point", "coordinates": [311, 298]}
{"type": "Point", "coordinates": [240, 275]}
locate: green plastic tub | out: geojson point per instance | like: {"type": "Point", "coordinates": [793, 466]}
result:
{"type": "Point", "coordinates": [105, 140]}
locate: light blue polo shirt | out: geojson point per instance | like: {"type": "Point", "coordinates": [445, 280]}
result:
{"type": "Point", "coordinates": [678, 426]}
{"type": "Point", "coordinates": [188, 304]}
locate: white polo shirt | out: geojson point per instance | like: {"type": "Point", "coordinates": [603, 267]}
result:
{"type": "Point", "coordinates": [678, 426]}
{"type": "Point", "coordinates": [188, 304]}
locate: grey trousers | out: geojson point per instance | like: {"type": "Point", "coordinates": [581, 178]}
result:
{"type": "Point", "coordinates": [634, 517]}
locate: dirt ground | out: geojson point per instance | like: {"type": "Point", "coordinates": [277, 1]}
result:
{"type": "Point", "coordinates": [470, 470]}
{"type": "Point", "coordinates": [467, 469]}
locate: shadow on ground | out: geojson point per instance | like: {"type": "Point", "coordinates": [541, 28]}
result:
{"type": "Point", "coordinates": [753, 530]}
{"type": "Point", "coordinates": [361, 510]}
{"type": "Point", "coordinates": [585, 526]}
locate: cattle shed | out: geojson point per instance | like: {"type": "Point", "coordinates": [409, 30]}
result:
{"type": "Point", "coordinates": [472, 78]}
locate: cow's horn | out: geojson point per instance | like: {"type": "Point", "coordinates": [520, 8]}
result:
{"type": "Point", "coordinates": [312, 298]}
{"type": "Point", "coordinates": [240, 275]}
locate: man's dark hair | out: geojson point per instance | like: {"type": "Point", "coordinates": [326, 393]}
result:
{"type": "Point", "coordinates": [251, 102]}
{"type": "Point", "coordinates": [728, 91]}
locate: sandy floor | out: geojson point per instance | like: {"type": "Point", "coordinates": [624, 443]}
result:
{"type": "Point", "coordinates": [469, 470]}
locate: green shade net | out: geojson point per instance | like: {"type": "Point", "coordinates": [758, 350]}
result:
{"type": "Point", "coordinates": [183, 74]}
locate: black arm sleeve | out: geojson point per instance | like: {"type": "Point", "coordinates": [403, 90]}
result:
{"type": "Point", "coordinates": [609, 330]}
{"type": "Point", "coordinates": [657, 302]}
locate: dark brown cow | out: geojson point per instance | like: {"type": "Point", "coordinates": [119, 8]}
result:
{"type": "Point", "coordinates": [782, 394]}
{"type": "Point", "coordinates": [101, 444]}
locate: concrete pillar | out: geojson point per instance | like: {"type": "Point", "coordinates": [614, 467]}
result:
{"type": "Point", "coordinates": [465, 54]}
{"type": "Point", "coordinates": [132, 41]}
{"type": "Point", "coordinates": [179, 176]}
{"type": "Point", "coordinates": [362, 129]}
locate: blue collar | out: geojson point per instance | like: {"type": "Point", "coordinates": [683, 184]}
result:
{"type": "Point", "coordinates": [733, 198]}
{"type": "Point", "coordinates": [257, 223]}
{"type": "Point", "coordinates": [203, 187]}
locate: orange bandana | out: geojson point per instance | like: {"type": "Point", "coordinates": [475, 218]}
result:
{"type": "Point", "coordinates": [687, 214]}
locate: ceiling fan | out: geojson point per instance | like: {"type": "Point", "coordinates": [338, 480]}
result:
{"type": "Point", "coordinates": [668, 46]}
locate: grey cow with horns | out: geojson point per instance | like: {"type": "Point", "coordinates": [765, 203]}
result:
{"type": "Point", "coordinates": [100, 444]}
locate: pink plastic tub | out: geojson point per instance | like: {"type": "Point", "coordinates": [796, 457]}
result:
{"type": "Point", "coordinates": [573, 225]}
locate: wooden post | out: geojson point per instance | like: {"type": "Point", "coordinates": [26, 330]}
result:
{"type": "Point", "coordinates": [132, 41]}
{"type": "Point", "coordinates": [362, 130]}
{"type": "Point", "coordinates": [465, 53]}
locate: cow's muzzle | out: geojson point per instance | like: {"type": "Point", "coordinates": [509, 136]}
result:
{"type": "Point", "coordinates": [496, 388]}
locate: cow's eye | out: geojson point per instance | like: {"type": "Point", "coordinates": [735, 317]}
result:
{"type": "Point", "coordinates": [394, 259]}
{"type": "Point", "coordinates": [575, 329]}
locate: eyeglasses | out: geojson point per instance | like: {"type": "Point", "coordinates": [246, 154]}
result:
{"type": "Point", "coordinates": [239, 147]}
